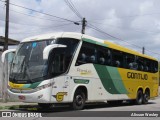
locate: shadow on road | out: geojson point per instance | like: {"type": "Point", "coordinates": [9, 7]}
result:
{"type": "Point", "coordinates": [66, 108]}
{"type": "Point", "coordinates": [103, 105]}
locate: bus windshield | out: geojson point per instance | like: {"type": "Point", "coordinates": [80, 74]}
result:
{"type": "Point", "coordinates": [28, 65]}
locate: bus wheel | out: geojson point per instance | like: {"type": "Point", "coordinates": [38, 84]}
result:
{"type": "Point", "coordinates": [139, 98]}
{"type": "Point", "coordinates": [146, 97]}
{"type": "Point", "coordinates": [45, 105]}
{"type": "Point", "coordinates": [79, 100]}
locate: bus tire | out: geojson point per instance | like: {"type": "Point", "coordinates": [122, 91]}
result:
{"type": "Point", "coordinates": [45, 105]}
{"type": "Point", "coordinates": [78, 100]}
{"type": "Point", "coordinates": [139, 98]}
{"type": "Point", "coordinates": [146, 97]}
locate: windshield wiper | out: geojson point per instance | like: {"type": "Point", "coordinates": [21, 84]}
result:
{"type": "Point", "coordinates": [26, 72]}
{"type": "Point", "coordinates": [23, 70]}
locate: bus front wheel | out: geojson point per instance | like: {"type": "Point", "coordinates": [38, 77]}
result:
{"type": "Point", "coordinates": [79, 100]}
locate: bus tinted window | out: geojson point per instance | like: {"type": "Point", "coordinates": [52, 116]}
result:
{"type": "Point", "coordinates": [103, 56]}
{"type": "Point", "coordinates": [131, 62]}
{"type": "Point", "coordinates": [140, 62]}
{"type": "Point", "coordinates": [87, 54]}
{"type": "Point", "coordinates": [118, 59]}
{"type": "Point", "coordinates": [147, 65]}
{"type": "Point", "coordinates": [60, 58]}
{"type": "Point", "coordinates": [155, 66]}
{"type": "Point", "coordinates": [91, 53]}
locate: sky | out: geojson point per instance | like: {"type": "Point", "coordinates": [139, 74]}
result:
{"type": "Point", "coordinates": [131, 23]}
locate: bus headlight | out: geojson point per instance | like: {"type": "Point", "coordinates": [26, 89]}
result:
{"type": "Point", "coordinates": [30, 90]}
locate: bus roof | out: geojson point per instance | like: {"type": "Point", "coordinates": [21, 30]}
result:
{"type": "Point", "coordinates": [87, 38]}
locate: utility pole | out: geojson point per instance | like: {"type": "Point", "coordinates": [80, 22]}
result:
{"type": "Point", "coordinates": [83, 25]}
{"type": "Point", "coordinates": [5, 66]}
{"type": "Point", "coordinates": [143, 50]}
{"type": "Point", "coordinates": [6, 26]}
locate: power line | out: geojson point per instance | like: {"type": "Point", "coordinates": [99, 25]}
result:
{"type": "Point", "coordinates": [33, 15]}
{"type": "Point", "coordinates": [2, 0]}
{"type": "Point", "coordinates": [71, 5]}
{"type": "Point", "coordinates": [137, 29]}
{"type": "Point", "coordinates": [129, 16]}
{"type": "Point", "coordinates": [29, 24]}
{"type": "Point", "coordinates": [76, 23]}
{"type": "Point", "coordinates": [22, 23]}
{"type": "Point", "coordinates": [73, 8]}
{"type": "Point", "coordinates": [101, 31]}
{"type": "Point", "coordinates": [43, 28]}
{"type": "Point", "coordinates": [42, 12]}
{"type": "Point", "coordinates": [152, 52]}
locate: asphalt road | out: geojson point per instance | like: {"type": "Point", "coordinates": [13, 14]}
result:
{"type": "Point", "coordinates": [96, 111]}
{"type": "Point", "coordinates": [153, 105]}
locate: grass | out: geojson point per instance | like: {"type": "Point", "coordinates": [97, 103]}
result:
{"type": "Point", "coordinates": [9, 107]}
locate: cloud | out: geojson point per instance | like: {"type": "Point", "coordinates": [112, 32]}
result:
{"type": "Point", "coordinates": [135, 21]}
{"type": "Point", "coordinates": [146, 6]}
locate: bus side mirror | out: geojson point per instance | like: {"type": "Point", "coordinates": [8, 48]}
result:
{"type": "Point", "coordinates": [49, 48]}
{"type": "Point", "coordinates": [8, 55]}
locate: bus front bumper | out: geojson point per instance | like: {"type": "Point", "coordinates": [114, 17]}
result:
{"type": "Point", "coordinates": [41, 96]}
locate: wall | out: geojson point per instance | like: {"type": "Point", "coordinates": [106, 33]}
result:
{"type": "Point", "coordinates": [0, 76]}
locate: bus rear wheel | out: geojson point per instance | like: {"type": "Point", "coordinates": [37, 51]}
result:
{"type": "Point", "coordinates": [139, 98]}
{"type": "Point", "coordinates": [78, 100]}
{"type": "Point", "coordinates": [146, 97]}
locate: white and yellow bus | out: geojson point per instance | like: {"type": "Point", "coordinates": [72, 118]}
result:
{"type": "Point", "coordinates": [75, 68]}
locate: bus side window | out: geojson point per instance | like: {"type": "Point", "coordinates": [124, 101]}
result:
{"type": "Point", "coordinates": [92, 59]}
{"type": "Point", "coordinates": [87, 54]}
{"type": "Point", "coordinates": [118, 59]}
{"type": "Point", "coordinates": [82, 57]}
{"type": "Point", "coordinates": [147, 65]}
{"type": "Point", "coordinates": [101, 55]}
{"type": "Point", "coordinates": [108, 57]}
{"type": "Point", "coordinates": [102, 60]}
{"type": "Point", "coordinates": [141, 64]}
{"type": "Point", "coordinates": [130, 62]}
{"type": "Point", "coordinates": [155, 66]}
{"type": "Point", "coordinates": [104, 56]}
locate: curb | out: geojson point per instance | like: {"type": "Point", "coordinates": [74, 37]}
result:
{"type": "Point", "coordinates": [18, 107]}
{"type": "Point", "coordinates": [9, 107]}
{"type": "Point", "coordinates": [15, 105]}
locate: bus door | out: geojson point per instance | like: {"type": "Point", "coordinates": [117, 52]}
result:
{"type": "Point", "coordinates": [58, 69]}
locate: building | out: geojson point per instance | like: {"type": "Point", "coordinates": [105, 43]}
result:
{"type": "Point", "coordinates": [10, 42]}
